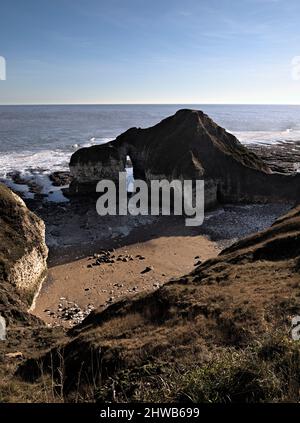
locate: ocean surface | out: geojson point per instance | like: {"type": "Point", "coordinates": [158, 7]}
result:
{"type": "Point", "coordinates": [37, 140]}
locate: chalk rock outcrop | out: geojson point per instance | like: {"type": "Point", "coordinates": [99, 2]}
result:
{"type": "Point", "coordinates": [91, 164]}
{"type": "Point", "coordinates": [23, 253]}
{"type": "Point", "coordinates": [187, 145]}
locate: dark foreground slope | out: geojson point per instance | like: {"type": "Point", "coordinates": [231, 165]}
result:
{"type": "Point", "coordinates": [187, 145]}
{"type": "Point", "coordinates": [222, 333]}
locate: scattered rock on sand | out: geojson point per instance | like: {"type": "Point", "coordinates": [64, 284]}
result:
{"type": "Point", "coordinates": [69, 311]}
{"type": "Point", "coordinates": [147, 269]}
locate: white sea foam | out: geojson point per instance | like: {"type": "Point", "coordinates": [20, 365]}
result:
{"type": "Point", "coordinates": [36, 166]}
{"type": "Point", "coordinates": [43, 161]}
{"type": "Point", "coordinates": [26, 161]}
{"type": "Point", "coordinates": [22, 189]}
{"type": "Point", "coordinates": [267, 137]}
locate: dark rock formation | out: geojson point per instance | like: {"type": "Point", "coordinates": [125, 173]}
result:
{"type": "Point", "coordinates": [248, 293]}
{"type": "Point", "coordinates": [188, 145]}
{"type": "Point", "coordinates": [88, 170]}
{"type": "Point", "coordinates": [60, 178]}
{"type": "Point", "coordinates": [23, 254]}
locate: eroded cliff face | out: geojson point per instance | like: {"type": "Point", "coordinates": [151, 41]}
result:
{"type": "Point", "coordinates": [23, 253]}
{"type": "Point", "coordinates": [87, 170]}
{"type": "Point", "coordinates": [187, 145]}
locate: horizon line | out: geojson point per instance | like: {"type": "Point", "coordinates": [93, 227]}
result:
{"type": "Point", "coordinates": [150, 104]}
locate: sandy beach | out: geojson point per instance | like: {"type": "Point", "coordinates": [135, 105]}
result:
{"type": "Point", "coordinates": [89, 268]}
{"type": "Point", "coordinates": [134, 268]}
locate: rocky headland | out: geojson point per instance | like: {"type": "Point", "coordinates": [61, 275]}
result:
{"type": "Point", "coordinates": [187, 145]}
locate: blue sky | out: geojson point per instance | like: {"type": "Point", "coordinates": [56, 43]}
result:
{"type": "Point", "coordinates": [158, 51]}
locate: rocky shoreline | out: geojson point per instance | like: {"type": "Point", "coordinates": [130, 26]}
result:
{"type": "Point", "coordinates": [282, 157]}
